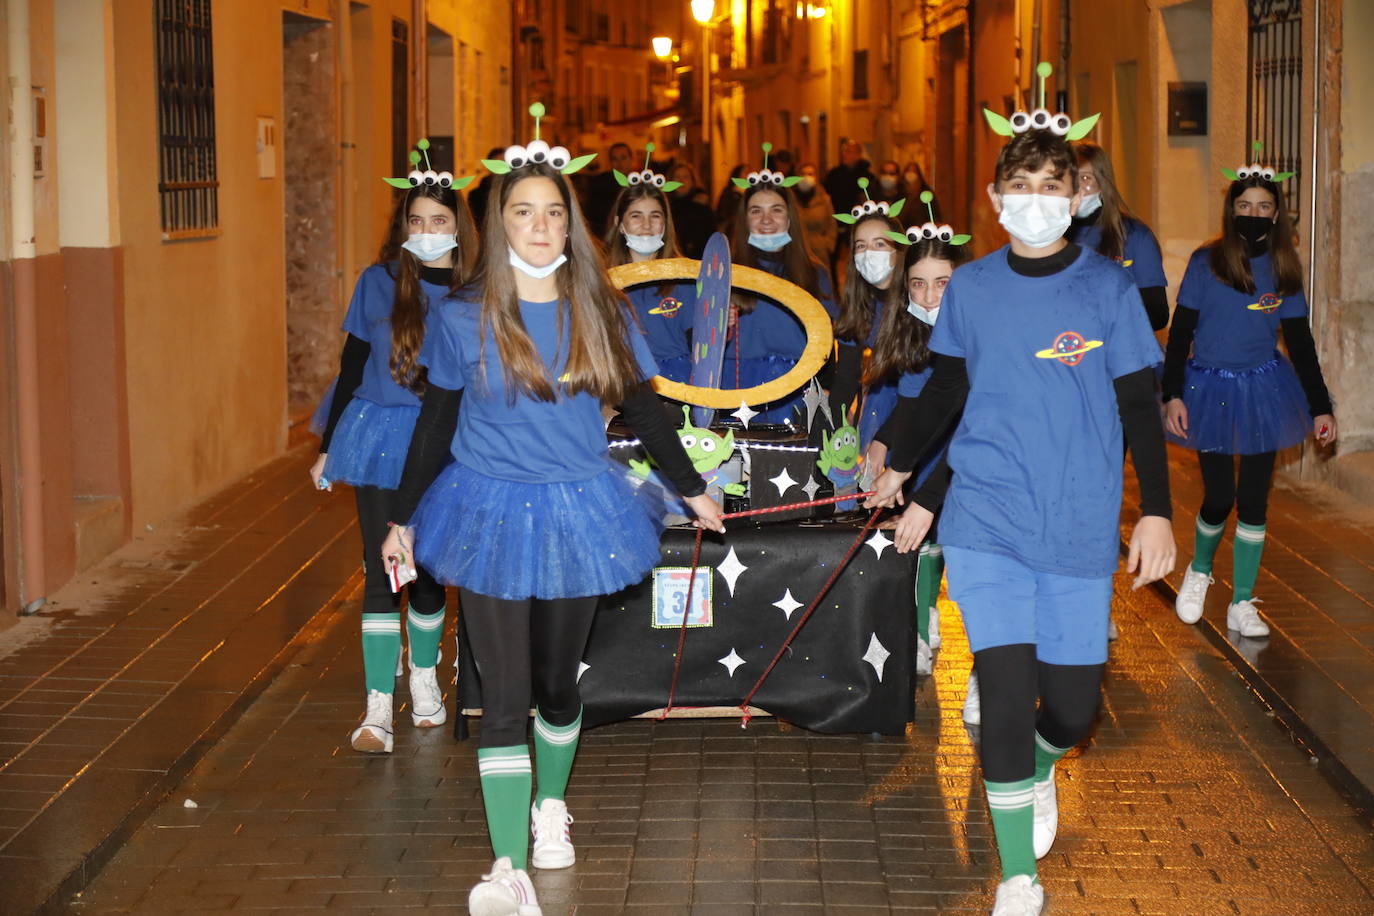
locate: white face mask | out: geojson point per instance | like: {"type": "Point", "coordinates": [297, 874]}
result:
{"type": "Point", "coordinates": [874, 266]}
{"type": "Point", "coordinates": [1035, 220]}
{"type": "Point", "coordinates": [910, 177]}
{"type": "Point", "coordinates": [529, 270]}
{"type": "Point", "coordinates": [643, 244]}
{"type": "Point", "coordinates": [920, 313]}
{"type": "Point", "coordinates": [775, 241]}
{"type": "Point", "coordinates": [430, 246]}
{"type": "Point", "coordinates": [888, 182]}
{"type": "Point", "coordinates": [807, 184]}
{"type": "Point", "coordinates": [1091, 204]}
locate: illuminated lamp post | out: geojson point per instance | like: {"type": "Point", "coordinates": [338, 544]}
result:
{"type": "Point", "coordinates": [703, 11]}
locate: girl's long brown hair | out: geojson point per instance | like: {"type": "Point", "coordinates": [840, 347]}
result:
{"type": "Point", "coordinates": [599, 359]}
{"type": "Point", "coordinates": [1229, 257]}
{"type": "Point", "coordinates": [617, 252]}
{"type": "Point", "coordinates": [410, 306]}
{"type": "Point", "coordinates": [1114, 211]}
{"type": "Point", "coordinates": [798, 266]}
{"type": "Point", "coordinates": [856, 300]}
{"type": "Point", "coordinates": [903, 343]}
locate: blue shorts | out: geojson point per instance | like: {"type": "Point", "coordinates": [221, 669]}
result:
{"type": "Point", "coordinates": [1003, 602]}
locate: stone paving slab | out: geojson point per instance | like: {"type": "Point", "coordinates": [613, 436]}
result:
{"type": "Point", "coordinates": [1188, 800]}
{"type": "Point", "coordinates": [133, 672]}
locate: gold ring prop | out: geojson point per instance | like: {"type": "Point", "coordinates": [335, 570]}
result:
{"type": "Point", "coordinates": [814, 319]}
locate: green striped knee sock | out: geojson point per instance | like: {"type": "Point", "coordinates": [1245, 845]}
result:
{"type": "Point", "coordinates": [1248, 548]}
{"type": "Point", "coordinates": [506, 783]}
{"type": "Point", "coordinates": [381, 648]}
{"type": "Point", "coordinates": [1012, 805]}
{"type": "Point", "coordinates": [424, 631]}
{"type": "Point", "coordinates": [1046, 756]}
{"type": "Point", "coordinates": [555, 746]}
{"type": "Point", "coordinates": [1205, 540]}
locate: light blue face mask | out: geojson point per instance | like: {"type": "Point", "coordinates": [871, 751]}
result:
{"type": "Point", "coordinates": [529, 270]}
{"type": "Point", "coordinates": [775, 241]}
{"type": "Point", "coordinates": [923, 314]}
{"type": "Point", "coordinates": [430, 246]}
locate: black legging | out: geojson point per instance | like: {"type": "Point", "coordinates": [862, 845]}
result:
{"type": "Point", "coordinates": [376, 507]}
{"type": "Point", "coordinates": [1010, 679]}
{"type": "Point", "coordinates": [1221, 489]}
{"type": "Point", "coordinates": [531, 646]}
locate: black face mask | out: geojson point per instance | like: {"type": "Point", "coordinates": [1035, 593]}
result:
{"type": "Point", "coordinates": [1253, 228]}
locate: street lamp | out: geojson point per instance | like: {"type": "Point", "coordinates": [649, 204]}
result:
{"type": "Point", "coordinates": [663, 46]}
{"type": "Point", "coordinates": [703, 11]}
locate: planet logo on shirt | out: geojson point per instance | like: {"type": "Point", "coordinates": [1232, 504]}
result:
{"type": "Point", "coordinates": [1124, 261]}
{"type": "Point", "coordinates": [1268, 302]}
{"type": "Point", "coordinates": [666, 307]}
{"type": "Point", "coordinates": [1069, 348]}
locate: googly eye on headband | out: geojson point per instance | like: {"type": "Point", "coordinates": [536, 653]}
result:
{"type": "Point", "coordinates": [646, 176]}
{"type": "Point", "coordinates": [427, 176]}
{"type": "Point", "coordinates": [1060, 124]}
{"type": "Point", "coordinates": [766, 176]}
{"type": "Point", "coordinates": [929, 230]}
{"type": "Point", "coordinates": [859, 211]}
{"type": "Point", "coordinates": [535, 152]}
{"type": "Point", "coordinates": [1266, 172]}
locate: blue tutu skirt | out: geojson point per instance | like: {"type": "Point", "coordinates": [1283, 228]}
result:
{"type": "Point", "coordinates": [878, 404]}
{"type": "Point", "coordinates": [320, 418]}
{"type": "Point", "coordinates": [370, 444]}
{"type": "Point", "coordinates": [513, 540]}
{"type": "Point", "coordinates": [1245, 411]}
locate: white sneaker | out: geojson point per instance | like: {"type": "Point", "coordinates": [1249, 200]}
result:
{"type": "Point", "coordinates": [1045, 818]}
{"type": "Point", "coordinates": [374, 734]}
{"type": "Point", "coordinates": [934, 626]}
{"type": "Point", "coordinates": [973, 703]}
{"type": "Point", "coordinates": [1112, 633]}
{"type": "Point", "coordinates": [553, 846]}
{"type": "Point", "coordinates": [506, 891]}
{"type": "Point", "coordinates": [1192, 595]}
{"type": "Point", "coordinates": [924, 663]}
{"type": "Point", "coordinates": [426, 699]}
{"type": "Point", "coordinates": [1244, 619]}
{"type": "Point", "coordinates": [1019, 896]}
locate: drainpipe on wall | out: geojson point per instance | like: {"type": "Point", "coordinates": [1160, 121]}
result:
{"type": "Point", "coordinates": [23, 248]}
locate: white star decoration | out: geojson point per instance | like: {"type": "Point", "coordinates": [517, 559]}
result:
{"type": "Point", "coordinates": [730, 569]}
{"type": "Point", "coordinates": [787, 604]}
{"type": "Point", "coordinates": [879, 542]}
{"type": "Point", "coordinates": [783, 482]}
{"type": "Point", "coordinates": [581, 670]}
{"type": "Point", "coordinates": [876, 655]}
{"type": "Point", "coordinates": [732, 661]}
{"type": "Point", "coordinates": [744, 414]}
{"type": "Point", "coordinates": [810, 487]}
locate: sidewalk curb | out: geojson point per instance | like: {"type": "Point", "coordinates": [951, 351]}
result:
{"type": "Point", "coordinates": [1328, 763]}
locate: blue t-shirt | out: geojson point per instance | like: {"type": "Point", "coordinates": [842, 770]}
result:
{"type": "Point", "coordinates": [1236, 330]}
{"type": "Point", "coordinates": [369, 319]}
{"type": "Point", "coordinates": [667, 324]}
{"type": "Point", "coordinates": [1037, 455]}
{"type": "Point", "coordinates": [771, 330]}
{"type": "Point", "coordinates": [528, 440]}
{"type": "Point", "coordinates": [1140, 255]}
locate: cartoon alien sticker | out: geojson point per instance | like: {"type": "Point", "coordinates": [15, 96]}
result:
{"type": "Point", "coordinates": [839, 461]}
{"type": "Point", "coordinates": [708, 452]}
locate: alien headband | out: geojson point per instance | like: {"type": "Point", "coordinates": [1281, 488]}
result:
{"type": "Point", "coordinates": [1061, 125]}
{"type": "Point", "coordinates": [944, 232]}
{"type": "Point", "coordinates": [859, 211]}
{"type": "Point", "coordinates": [428, 176]}
{"type": "Point", "coordinates": [1257, 171]}
{"type": "Point", "coordinates": [537, 151]}
{"type": "Point", "coordinates": [766, 176]}
{"type": "Point", "coordinates": [647, 176]}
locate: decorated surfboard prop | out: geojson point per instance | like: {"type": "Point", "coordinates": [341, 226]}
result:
{"type": "Point", "coordinates": [709, 322]}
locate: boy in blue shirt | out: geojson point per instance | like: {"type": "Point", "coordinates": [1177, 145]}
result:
{"type": "Point", "coordinates": [1045, 349]}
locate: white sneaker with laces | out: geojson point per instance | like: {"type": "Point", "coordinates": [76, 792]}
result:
{"type": "Point", "coordinates": [1019, 895]}
{"type": "Point", "coordinates": [553, 846]}
{"type": "Point", "coordinates": [374, 734]}
{"type": "Point", "coordinates": [1045, 815]}
{"type": "Point", "coordinates": [505, 891]}
{"type": "Point", "coordinates": [924, 663]}
{"type": "Point", "coordinates": [934, 626]}
{"type": "Point", "coordinates": [426, 699]}
{"type": "Point", "coordinates": [1192, 595]}
{"type": "Point", "coordinates": [973, 703]}
{"type": "Point", "coordinates": [1245, 619]}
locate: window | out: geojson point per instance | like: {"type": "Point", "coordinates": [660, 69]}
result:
{"type": "Point", "coordinates": [188, 182]}
{"type": "Point", "coordinates": [861, 74]}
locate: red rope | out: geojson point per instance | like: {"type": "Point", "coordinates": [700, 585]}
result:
{"type": "Point", "coordinates": [682, 631]}
{"type": "Point", "coordinates": [810, 609]}
{"type": "Point", "coordinates": [829, 500]}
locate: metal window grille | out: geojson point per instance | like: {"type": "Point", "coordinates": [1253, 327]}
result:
{"type": "Point", "coordinates": [188, 185]}
{"type": "Point", "coordinates": [1274, 99]}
